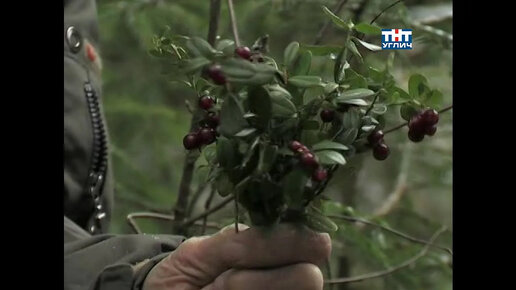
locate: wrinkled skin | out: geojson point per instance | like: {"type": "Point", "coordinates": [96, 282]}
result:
{"type": "Point", "coordinates": [284, 257]}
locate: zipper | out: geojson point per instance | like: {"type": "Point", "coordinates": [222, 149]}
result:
{"type": "Point", "coordinates": [98, 166]}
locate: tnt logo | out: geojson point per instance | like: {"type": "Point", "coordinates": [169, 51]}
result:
{"type": "Point", "coordinates": [396, 38]}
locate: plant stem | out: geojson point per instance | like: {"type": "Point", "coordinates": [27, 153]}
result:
{"type": "Point", "coordinates": [390, 270]}
{"type": "Point", "coordinates": [392, 231]}
{"type": "Point", "coordinates": [206, 213]}
{"type": "Point", "coordinates": [214, 21]}
{"type": "Point", "coordinates": [233, 22]}
{"type": "Point", "coordinates": [385, 9]}
{"type": "Point", "coordinates": [186, 179]}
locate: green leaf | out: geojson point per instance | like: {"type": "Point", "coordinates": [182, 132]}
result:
{"type": "Point", "coordinates": [261, 105]}
{"type": "Point", "coordinates": [245, 132]}
{"type": "Point", "coordinates": [355, 79]}
{"type": "Point", "coordinates": [379, 109]}
{"type": "Point", "coordinates": [293, 185]}
{"type": "Point", "coordinates": [348, 137]}
{"type": "Point", "coordinates": [356, 102]}
{"type": "Point", "coordinates": [435, 99]}
{"type": "Point", "coordinates": [193, 65]}
{"type": "Point", "coordinates": [223, 184]}
{"type": "Point", "coordinates": [370, 46]}
{"type": "Point", "coordinates": [355, 94]}
{"type": "Point", "coordinates": [340, 66]}
{"type": "Point", "coordinates": [200, 47]}
{"type": "Point", "coordinates": [303, 64]}
{"type": "Point", "coordinates": [225, 44]}
{"type": "Point", "coordinates": [281, 104]}
{"type": "Point", "coordinates": [231, 118]}
{"type": "Point", "coordinates": [268, 155]}
{"type": "Point", "coordinates": [353, 48]}
{"type": "Point", "coordinates": [327, 144]}
{"type": "Point", "coordinates": [351, 119]}
{"type": "Point", "coordinates": [335, 19]}
{"type": "Point", "coordinates": [305, 81]}
{"type": "Point", "coordinates": [330, 88]}
{"type": "Point", "coordinates": [417, 85]}
{"type": "Point", "coordinates": [321, 50]}
{"type": "Point", "coordinates": [319, 222]}
{"type": "Point", "coordinates": [226, 153]}
{"type": "Point", "coordinates": [407, 111]}
{"type": "Point", "coordinates": [330, 157]}
{"type": "Point", "coordinates": [310, 125]}
{"type": "Point", "coordinates": [290, 53]}
{"type": "Point", "coordinates": [369, 29]}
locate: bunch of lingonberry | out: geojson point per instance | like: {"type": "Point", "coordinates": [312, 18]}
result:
{"type": "Point", "coordinates": [207, 131]}
{"type": "Point", "coordinates": [214, 71]}
{"type": "Point", "coordinates": [423, 123]}
{"type": "Point", "coordinates": [308, 160]}
{"type": "Point", "coordinates": [380, 150]}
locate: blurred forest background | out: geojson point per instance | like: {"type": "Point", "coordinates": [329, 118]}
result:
{"type": "Point", "coordinates": [147, 118]}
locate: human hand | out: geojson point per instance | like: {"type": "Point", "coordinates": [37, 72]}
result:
{"type": "Point", "coordinates": [284, 257]}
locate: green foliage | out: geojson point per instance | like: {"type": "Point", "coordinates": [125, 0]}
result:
{"type": "Point", "coordinates": [144, 88]}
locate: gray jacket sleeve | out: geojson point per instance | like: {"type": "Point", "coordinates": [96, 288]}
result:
{"type": "Point", "coordinates": [108, 261]}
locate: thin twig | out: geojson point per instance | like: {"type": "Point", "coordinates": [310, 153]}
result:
{"type": "Point", "coordinates": [324, 29]}
{"type": "Point", "coordinates": [236, 212]}
{"type": "Point", "coordinates": [233, 23]}
{"type": "Point", "coordinates": [385, 9]}
{"type": "Point", "coordinates": [406, 123]}
{"type": "Point", "coordinates": [180, 208]}
{"type": "Point", "coordinates": [151, 215]}
{"type": "Point", "coordinates": [207, 207]}
{"type": "Point", "coordinates": [390, 270]}
{"type": "Point", "coordinates": [372, 104]}
{"type": "Point", "coordinates": [217, 207]}
{"type": "Point", "coordinates": [214, 21]}
{"type": "Point", "coordinates": [393, 231]}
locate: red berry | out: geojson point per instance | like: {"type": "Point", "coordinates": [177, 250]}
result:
{"type": "Point", "coordinates": [207, 136]}
{"type": "Point", "coordinates": [417, 125]}
{"type": "Point", "coordinates": [430, 131]}
{"type": "Point", "coordinates": [327, 115]}
{"type": "Point", "coordinates": [206, 102]}
{"type": "Point", "coordinates": [415, 136]}
{"type": "Point", "coordinates": [215, 73]}
{"type": "Point", "coordinates": [212, 120]}
{"type": "Point", "coordinates": [319, 174]}
{"type": "Point", "coordinates": [381, 151]}
{"type": "Point", "coordinates": [308, 160]}
{"type": "Point", "coordinates": [244, 52]}
{"type": "Point", "coordinates": [375, 137]}
{"type": "Point", "coordinates": [430, 117]}
{"type": "Point", "coordinates": [191, 141]}
{"type": "Point", "coordinates": [294, 145]}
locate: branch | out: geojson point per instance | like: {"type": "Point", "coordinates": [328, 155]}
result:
{"type": "Point", "coordinates": [388, 270]}
{"type": "Point", "coordinates": [214, 21]}
{"type": "Point", "coordinates": [385, 9]}
{"type": "Point", "coordinates": [393, 231]}
{"type": "Point", "coordinates": [217, 207]}
{"type": "Point", "coordinates": [233, 22]}
{"type": "Point", "coordinates": [180, 209]}
{"type": "Point", "coordinates": [207, 207]}
{"type": "Point", "coordinates": [406, 123]}
{"type": "Point", "coordinates": [324, 29]}
{"type": "Point", "coordinates": [151, 215]}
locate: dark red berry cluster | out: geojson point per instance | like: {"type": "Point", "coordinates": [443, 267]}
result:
{"type": "Point", "coordinates": [423, 123]}
{"type": "Point", "coordinates": [327, 115]}
{"type": "Point", "coordinates": [308, 160]}
{"type": "Point", "coordinates": [207, 132]}
{"type": "Point", "coordinates": [380, 150]}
